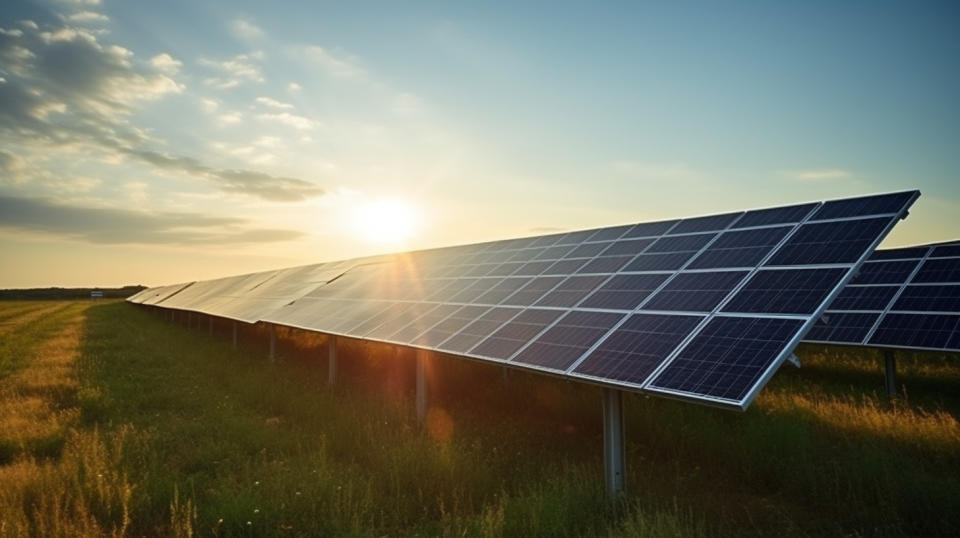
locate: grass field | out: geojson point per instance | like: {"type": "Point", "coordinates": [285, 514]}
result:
{"type": "Point", "coordinates": [114, 421]}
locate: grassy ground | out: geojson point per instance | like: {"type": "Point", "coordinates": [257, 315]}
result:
{"type": "Point", "coordinates": [113, 421]}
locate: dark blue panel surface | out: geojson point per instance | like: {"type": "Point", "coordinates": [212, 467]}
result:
{"type": "Point", "coordinates": [637, 347]}
{"type": "Point", "coordinates": [728, 357]}
{"type": "Point", "coordinates": [554, 253]}
{"type": "Point", "coordinates": [939, 270]}
{"type": "Point", "coordinates": [945, 251]}
{"type": "Point", "coordinates": [668, 261]}
{"type": "Point", "coordinates": [533, 268]}
{"type": "Point", "coordinates": [419, 325]}
{"type": "Point", "coordinates": [695, 292]}
{"type": "Point", "coordinates": [509, 338]}
{"type": "Point", "coordinates": [624, 292]}
{"type": "Point", "coordinates": [607, 264]}
{"type": "Point", "coordinates": [867, 205]}
{"type": "Point", "coordinates": [533, 291]}
{"type": "Point", "coordinates": [501, 290]}
{"type": "Point", "coordinates": [787, 291]}
{"type": "Point", "coordinates": [629, 247]}
{"type": "Point", "coordinates": [936, 331]}
{"type": "Point", "coordinates": [566, 341]}
{"type": "Point", "coordinates": [864, 298]}
{"type": "Point", "coordinates": [849, 328]}
{"type": "Point", "coordinates": [588, 250]}
{"type": "Point", "coordinates": [651, 229]}
{"type": "Point", "coordinates": [775, 215]}
{"type": "Point", "coordinates": [942, 298]}
{"type": "Point", "coordinates": [477, 330]}
{"type": "Point", "coordinates": [829, 242]}
{"type": "Point", "coordinates": [571, 291]}
{"type": "Point", "coordinates": [565, 267]}
{"type": "Point", "coordinates": [460, 318]}
{"type": "Point", "coordinates": [683, 243]}
{"type": "Point", "coordinates": [608, 234]}
{"type": "Point", "coordinates": [704, 224]}
{"type": "Point", "coordinates": [741, 248]}
{"type": "Point", "coordinates": [894, 272]}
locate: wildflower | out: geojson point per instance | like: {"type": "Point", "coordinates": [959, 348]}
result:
{"type": "Point", "coordinates": [256, 510]}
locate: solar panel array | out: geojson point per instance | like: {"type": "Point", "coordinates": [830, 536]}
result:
{"type": "Point", "coordinates": [902, 298]}
{"type": "Point", "coordinates": [703, 308]}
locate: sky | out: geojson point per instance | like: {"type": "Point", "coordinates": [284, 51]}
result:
{"type": "Point", "coordinates": [151, 142]}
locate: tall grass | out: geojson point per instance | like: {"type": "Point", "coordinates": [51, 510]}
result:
{"type": "Point", "coordinates": [165, 431]}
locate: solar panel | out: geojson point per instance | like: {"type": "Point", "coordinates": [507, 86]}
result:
{"type": "Point", "coordinates": [703, 309]}
{"type": "Point", "coordinates": [906, 298]}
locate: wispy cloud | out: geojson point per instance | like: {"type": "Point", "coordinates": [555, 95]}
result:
{"type": "Point", "coordinates": [121, 226]}
{"type": "Point", "coordinates": [63, 88]}
{"type": "Point", "coordinates": [824, 174]}
{"type": "Point", "coordinates": [245, 29]}
{"type": "Point", "coordinates": [166, 64]}
{"type": "Point", "coordinates": [89, 17]}
{"type": "Point", "coordinates": [273, 103]}
{"type": "Point", "coordinates": [235, 71]}
{"type": "Point", "coordinates": [290, 120]}
{"type": "Point", "coordinates": [333, 63]}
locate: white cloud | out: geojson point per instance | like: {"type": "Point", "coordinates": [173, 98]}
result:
{"type": "Point", "coordinates": [166, 63]}
{"type": "Point", "coordinates": [335, 64]}
{"type": "Point", "coordinates": [82, 2]}
{"type": "Point", "coordinates": [230, 118]}
{"type": "Point", "coordinates": [825, 174]}
{"type": "Point", "coordinates": [294, 87]}
{"type": "Point", "coordinates": [241, 68]}
{"type": "Point", "coordinates": [290, 120]}
{"type": "Point", "coordinates": [89, 17]}
{"type": "Point", "coordinates": [245, 29]}
{"type": "Point", "coordinates": [273, 103]}
{"type": "Point", "coordinates": [209, 106]}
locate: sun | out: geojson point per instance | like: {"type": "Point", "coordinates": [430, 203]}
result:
{"type": "Point", "coordinates": [390, 221]}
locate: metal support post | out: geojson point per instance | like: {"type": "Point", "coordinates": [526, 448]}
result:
{"type": "Point", "coordinates": [210, 325]}
{"type": "Point", "coordinates": [890, 364]}
{"type": "Point", "coordinates": [189, 320]}
{"type": "Point", "coordinates": [273, 342]}
{"type": "Point", "coordinates": [613, 447]}
{"type": "Point", "coordinates": [234, 335]}
{"type": "Point", "coordinates": [422, 388]}
{"type": "Point", "coordinates": [332, 360]}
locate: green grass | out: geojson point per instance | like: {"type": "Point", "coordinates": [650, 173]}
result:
{"type": "Point", "coordinates": [157, 430]}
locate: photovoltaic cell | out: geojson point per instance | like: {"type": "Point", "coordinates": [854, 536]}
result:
{"type": "Point", "coordinates": [942, 298]}
{"type": "Point", "coordinates": [775, 215]}
{"type": "Point", "coordinates": [650, 229]}
{"type": "Point", "coordinates": [433, 336]}
{"type": "Point", "coordinates": [606, 264]}
{"type": "Point", "coordinates": [895, 272]}
{"type": "Point", "coordinates": [868, 205]}
{"type": "Point", "coordinates": [928, 331]}
{"type": "Point", "coordinates": [509, 338]}
{"type": "Point", "coordinates": [741, 248]}
{"type": "Point", "coordinates": [938, 270]}
{"type": "Point", "coordinates": [829, 242]}
{"type": "Point", "coordinates": [695, 292]}
{"type": "Point", "coordinates": [850, 327]}
{"type": "Point", "coordinates": [945, 251]}
{"type": "Point", "coordinates": [624, 292]}
{"type": "Point", "coordinates": [704, 224]}
{"type": "Point", "coordinates": [571, 291]}
{"type": "Point", "coordinates": [786, 291]}
{"type": "Point", "coordinates": [568, 339]}
{"type": "Point", "coordinates": [898, 253]}
{"type": "Point", "coordinates": [472, 333]}
{"type": "Point", "coordinates": [867, 298]}
{"type": "Point", "coordinates": [635, 349]}
{"type": "Point", "coordinates": [669, 261]}
{"type": "Point", "coordinates": [728, 357]}
{"type": "Point", "coordinates": [533, 291]}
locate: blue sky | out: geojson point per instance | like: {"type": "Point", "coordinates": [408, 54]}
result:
{"type": "Point", "coordinates": [149, 142]}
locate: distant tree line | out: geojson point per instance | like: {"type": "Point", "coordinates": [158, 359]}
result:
{"type": "Point", "coordinates": [68, 293]}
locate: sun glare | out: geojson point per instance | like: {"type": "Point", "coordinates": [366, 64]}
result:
{"type": "Point", "coordinates": [386, 221]}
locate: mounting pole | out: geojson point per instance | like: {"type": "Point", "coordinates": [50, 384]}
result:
{"type": "Point", "coordinates": [171, 316]}
{"type": "Point", "coordinates": [890, 364]}
{"type": "Point", "coordinates": [422, 387]}
{"type": "Point", "coordinates": [234, 335]}
{"type": "Point", "coordinates": [210, 325]}
{"type": "Point", "coordinates": [613, 446]}
{"type": "Point", "coordinates": [189, 320]}
{"type": "Point", "coordinates": [332, 360]}
{"type": "Point", "coordinates": [273, 341]}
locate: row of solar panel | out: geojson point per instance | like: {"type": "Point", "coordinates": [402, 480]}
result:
{"type": "Point", "coordinates": [903, 298]}
{"type": "Point", "coordinates": [693, 327]}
